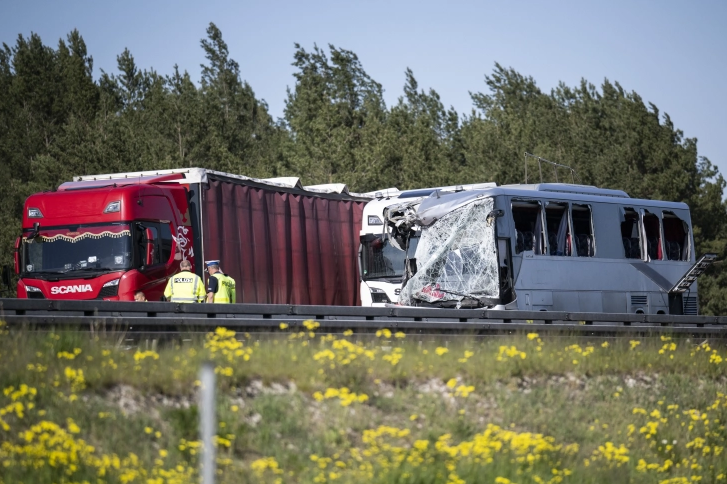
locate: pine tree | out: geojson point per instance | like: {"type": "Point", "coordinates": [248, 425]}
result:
{"type": "Point", "coordinates": [334, 114]}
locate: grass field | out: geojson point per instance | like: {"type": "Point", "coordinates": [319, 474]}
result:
{"type": "Point", "coordinates": [308, 407]}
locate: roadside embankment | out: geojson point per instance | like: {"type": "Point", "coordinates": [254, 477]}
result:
{"type": "Point", "coordinates": [309, 407]}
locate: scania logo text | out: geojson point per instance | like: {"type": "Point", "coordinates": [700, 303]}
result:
{"type": "Point", "coordinates": [71, 289]}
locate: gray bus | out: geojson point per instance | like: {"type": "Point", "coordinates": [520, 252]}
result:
{"type": "Point", "coordinates": [552, 247]}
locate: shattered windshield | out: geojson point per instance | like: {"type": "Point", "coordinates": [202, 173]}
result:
{"type": "Point", "coordinates": [381, 260]}
{"type": "Point", "coordinates": [77, 248]}
{"type": "Point", "coordinates": [456, 257]}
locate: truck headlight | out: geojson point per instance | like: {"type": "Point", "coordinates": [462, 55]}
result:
{"type": "Point", "coordinates": [32, 289]}
{"type": "Point", "coordinates": [378, 295]}
{"type": "Point", "coordinates": [115, 282]}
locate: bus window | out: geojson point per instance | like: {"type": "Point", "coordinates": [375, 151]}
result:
{"type": "Point", "coordinates": [559, 237]}
{"type": "Point", "coordinates": [528, 227]}
{"type": "Point", "coordinates": [653, 236]}
{"type": "Point", "coordinates": [583, 230]}
{"type": "Point", "coordinates": [630, 234]}
{"type": "Point", "coordinates": [676, 237]}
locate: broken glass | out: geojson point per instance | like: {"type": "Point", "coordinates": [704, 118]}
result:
{"type": "Point", "coordinates": [456, 258]}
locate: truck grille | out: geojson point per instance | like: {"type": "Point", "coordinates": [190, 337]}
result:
{"type": "Point", "coordinates": [108, 292]}
{"type": "Point", "coordinates": [36, 295]}
{"type": "Point", "coordinates": [690, 306]}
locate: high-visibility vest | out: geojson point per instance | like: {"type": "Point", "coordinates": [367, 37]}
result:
{"type": "Point", "coordinates": [185, 287]}
{"type": "Point", "coordinates": [225, 289]}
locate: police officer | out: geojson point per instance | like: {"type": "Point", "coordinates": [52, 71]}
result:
{"type": "Point", "coordinates": [185, 287]}
{"type": "Point", "coordinates": [220, 287]}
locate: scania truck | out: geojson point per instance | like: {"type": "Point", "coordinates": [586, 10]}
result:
{"type": "Point", "coordinates": [109, 236]}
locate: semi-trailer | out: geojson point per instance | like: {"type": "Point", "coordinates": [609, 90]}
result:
{"type": "Point", "coordinates": [109, 236]}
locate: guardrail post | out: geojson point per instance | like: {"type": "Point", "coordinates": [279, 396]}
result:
{"type": "Point", "coordinates": [207, 421]}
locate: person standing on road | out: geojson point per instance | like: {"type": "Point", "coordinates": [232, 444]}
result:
{"type": "Point", "coordinates": [186, 286]}
{"type": "Point", "coordinates": [220, 287]}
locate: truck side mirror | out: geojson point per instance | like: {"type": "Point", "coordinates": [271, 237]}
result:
{"type": "Point", "coordinates": [16, 255]}
{"type": "Point", "coordinates": [149, 239]}
{"type": "Point", "coordinates": [360, 262]}
{"type": "Point", "coordinates": [177, 249]}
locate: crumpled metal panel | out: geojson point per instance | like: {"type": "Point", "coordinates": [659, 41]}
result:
{"type": "Point", "coordinates": [440, 204]}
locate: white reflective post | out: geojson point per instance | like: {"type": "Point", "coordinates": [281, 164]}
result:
{"type": "Point", "coordinates": [207, 422]}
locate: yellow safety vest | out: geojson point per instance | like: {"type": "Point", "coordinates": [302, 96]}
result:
{"type": "Point", "coordinates": [225, 289]}
{"type": "Point", "coordinates": [185, 287]}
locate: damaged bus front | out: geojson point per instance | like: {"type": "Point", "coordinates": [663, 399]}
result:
{"type": "Point", "coordinates": [456, 263]}
{"type": "Point", "coordinates": [382, 257]}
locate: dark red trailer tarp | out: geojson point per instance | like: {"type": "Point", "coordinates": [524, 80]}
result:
{"type": "Point", "coordinates": [283, 248]}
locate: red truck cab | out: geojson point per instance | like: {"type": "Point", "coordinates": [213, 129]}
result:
{"type": "Point", "coordinates": [104, 239]}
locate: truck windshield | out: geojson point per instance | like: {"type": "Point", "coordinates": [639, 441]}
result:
{"type": "Point", "coordinates": [381, 260]}
{"type": "Point", "coordinates": [87, 248]}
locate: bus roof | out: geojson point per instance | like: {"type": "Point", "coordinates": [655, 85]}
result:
{"type": "Point", "coordinates": [435, 207]}
{"type": "Point", "coordinates": [423, 192]}
{"type": "Point", "coordinates": [570, 188]}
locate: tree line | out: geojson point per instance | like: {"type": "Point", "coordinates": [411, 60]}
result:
{"type": "Point", "coordinates": [57, 121]}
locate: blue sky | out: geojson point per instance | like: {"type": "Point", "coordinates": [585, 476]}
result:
{"type": "Point", "coordinates": [673, 54]}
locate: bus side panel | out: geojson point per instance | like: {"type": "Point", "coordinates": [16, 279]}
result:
{"type": "Point", "coordinates": [283, 248]}
{"type": "Point", "coordinates": [614, 302]}
{"type": "Point", "coordinates": [607, 230]}
{"type": "Point", "coordinates": [593, 284]}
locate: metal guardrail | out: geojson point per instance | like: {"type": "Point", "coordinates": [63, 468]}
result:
{"type": "Point", "coordinates": [266, 317]}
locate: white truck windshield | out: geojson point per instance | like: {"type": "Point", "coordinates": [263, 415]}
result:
{"type": "Point", "coordinates": [381, 260]}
